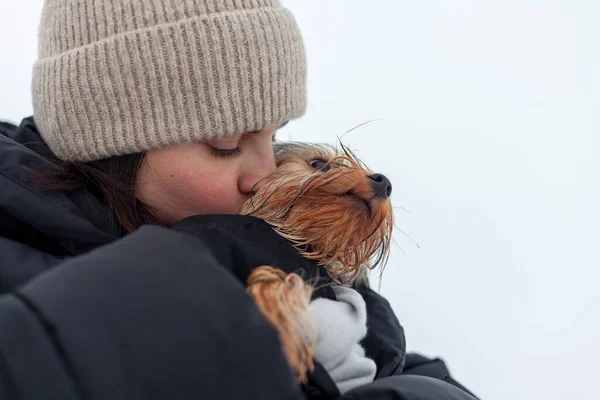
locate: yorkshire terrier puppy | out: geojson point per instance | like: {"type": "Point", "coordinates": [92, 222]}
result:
{"type": "Point", "coordinates": [335, 211]}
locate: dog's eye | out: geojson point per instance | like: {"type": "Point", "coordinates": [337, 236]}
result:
{"type": "Point", "coordinates": [320, 164]}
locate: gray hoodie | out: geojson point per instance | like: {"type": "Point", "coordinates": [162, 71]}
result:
{"type": "Point", "coordinates": [341, 325]}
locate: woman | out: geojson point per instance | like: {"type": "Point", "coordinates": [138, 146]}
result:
{"type": "Point", "coordinates": [122, 262]}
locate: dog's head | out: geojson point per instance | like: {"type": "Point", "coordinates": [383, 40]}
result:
{"type": "Point", "coordinates": [329, 205]}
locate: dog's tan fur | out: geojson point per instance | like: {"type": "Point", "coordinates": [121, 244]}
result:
{"type": "Point", "coordinates": [322, 200]}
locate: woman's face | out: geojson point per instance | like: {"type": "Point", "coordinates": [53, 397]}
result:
{"type": "Point", "coordinates": [214, 176]}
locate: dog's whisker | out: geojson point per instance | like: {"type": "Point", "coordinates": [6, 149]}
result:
{"type": "Point", "coordinates": [401, 249]}
{"type": "Point", "coordinates": [403, 209]}
{"type": "Point", "coordinates": [396, 243]}
{"type": "Point", "coordinates": [353, 157]}
{"type": "Point", "coordinates": [358, 126]}
{"type": "Point", "coordinates": [405, 234]}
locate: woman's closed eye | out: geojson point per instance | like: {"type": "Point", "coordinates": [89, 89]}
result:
{"type": "Point", "coordinates": [230, 147]}
{"type": "Point", "coordinates": [226, 147]}
{"type": "Point", "coordinates": [225, 153]}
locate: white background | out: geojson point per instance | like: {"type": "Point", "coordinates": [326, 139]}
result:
{"type": "Point", "coordinates": [490, 137]}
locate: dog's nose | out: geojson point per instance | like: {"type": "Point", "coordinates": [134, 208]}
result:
{"type": "Point", "coordinates": [381, 185]}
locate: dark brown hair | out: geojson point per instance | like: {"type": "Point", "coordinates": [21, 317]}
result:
{"type": "Point", "coordinates": [113, 179]}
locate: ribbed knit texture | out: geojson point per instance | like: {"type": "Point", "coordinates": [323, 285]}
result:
{"type": "Point", "coordinates": [118, 77]}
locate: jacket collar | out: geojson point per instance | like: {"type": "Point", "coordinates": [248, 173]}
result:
{"type": "Point", "coordinates": [76, 221]}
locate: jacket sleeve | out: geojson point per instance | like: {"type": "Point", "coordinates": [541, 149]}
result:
{"type": "Point", "coordinates": [408, 387]}
{"type": "Point", "coordinates": [401, 374]}
{"type": "Point", "coordinates": [417, 364]}
{"type": "Point", "coordinates": [385, 342]}
{"type": "Point", "coordinates": [151, 316]}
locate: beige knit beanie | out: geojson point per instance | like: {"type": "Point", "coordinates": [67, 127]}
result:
{"type": "Point", "coordinates": [118, 77]}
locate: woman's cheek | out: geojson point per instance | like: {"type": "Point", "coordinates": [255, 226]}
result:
{"type": "Point", "coordinates": [202, 194]}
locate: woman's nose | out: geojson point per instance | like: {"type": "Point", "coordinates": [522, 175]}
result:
{"type": "Point", "coordinates": [257, 175]}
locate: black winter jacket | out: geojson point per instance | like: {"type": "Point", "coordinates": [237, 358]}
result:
{"type": "Point", "coordinates": [87, 313]}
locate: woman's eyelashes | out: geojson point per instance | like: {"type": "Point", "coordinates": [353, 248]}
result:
{"type": "Point", "coordinates": [225, 153]}
{"type": "Point", "coordinates": [217, 150]}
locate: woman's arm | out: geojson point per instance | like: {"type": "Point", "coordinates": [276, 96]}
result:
{"type": "Point", "coordinates": [150, 316]}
